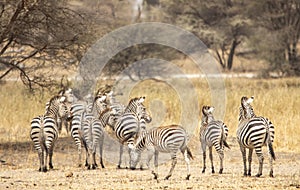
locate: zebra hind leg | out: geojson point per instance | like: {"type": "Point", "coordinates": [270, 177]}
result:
{"type": "Point", "coordinates": [174, 161]}
{"type": "Point", "coordinates": [249, 162]}
{"type": "Point", "coordinates": [261, 160]}
{"type": "Point", "coordinates": [211, 160]}
{"type": "Point", "coordinates": [204, 158]}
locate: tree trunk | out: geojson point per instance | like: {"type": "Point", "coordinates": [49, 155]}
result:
{"type": "Point", "coordinates": [234, 44]}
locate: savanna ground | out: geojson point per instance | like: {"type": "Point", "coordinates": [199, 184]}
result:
{"type": "Point", "coordinates": [277, 99]}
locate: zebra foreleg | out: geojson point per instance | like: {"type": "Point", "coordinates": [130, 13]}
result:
{"type": "Point", "coordinates": [154, 172]}
{"type": "Point", "coordinates": [174, 161]}
{"type": "Point", "coordinates": [243, 150]}
{"type": "Point", "coordinates": [120, 156]}
{"type": "Point", "coordinates": [211, 160]}
{"type": "Point", "coordinates": [249, 161]}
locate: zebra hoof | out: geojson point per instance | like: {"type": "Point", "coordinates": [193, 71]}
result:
{"type": "Point", "coordinates": [167, 177]}
{"type": "Point", "coordinates": [220, 171]}
{"type": "Point", "coordinates": [271, 174]}
{"type": "Point", "coordinates": [94, 167]}
{"type": "Point", "coordinates": [79, 165]}
{"type": "Point", "coordinates": [203, 171]}
{"type": "Point", "coordinates": [258, 175]}
{"type": "Point", "coordinates": [102, 166]}
{"type": "Point", "coordinates": [155, 175]}
{"type": "Point", "coordinates": [188, 177]}
{"type": "Point", "coordinates": [50, 166]}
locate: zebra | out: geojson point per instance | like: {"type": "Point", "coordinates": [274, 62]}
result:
{"type": "Point", "coordinates": [63, 120]}
{"type": "Point", "coordinates": [253, 133]}
{"type": "Point", "coordinates": [93, 136]}
{"type": "Point", "coordinates": [212, 133]}
{"type": "Point", "coordinates": [79, 110]}
{"type": "Point", "coordinates": [44, 131]}
{"type": "Point", "coordinates": [128, 123]}
{"type": "Point", "coordinates": [170, 139]}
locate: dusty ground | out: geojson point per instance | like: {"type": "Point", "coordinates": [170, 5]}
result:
{"type": "Point", "coordinates": [19, 164]}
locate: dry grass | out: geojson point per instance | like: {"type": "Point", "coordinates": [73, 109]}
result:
{"type": "Point", "coordinates": [277, 99]}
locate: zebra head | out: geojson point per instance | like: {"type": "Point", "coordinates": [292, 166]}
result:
{"type": "Point", "coordinates": [136, 106]}
{"type": "Point", "coordinates": [57, 107]}
{"type": "Point", "coordinates": [207, 114]}
{"type": "Point", "coordinates": [246, 110]}
{"type": "Point", "coordinates": [99, 104]}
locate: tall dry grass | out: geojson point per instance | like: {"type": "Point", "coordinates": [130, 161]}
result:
{"type": "Point", "coordinates": [276, 99]}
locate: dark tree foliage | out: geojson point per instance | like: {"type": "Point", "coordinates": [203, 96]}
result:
{"type": "Point", "coordinates": [37, 36]}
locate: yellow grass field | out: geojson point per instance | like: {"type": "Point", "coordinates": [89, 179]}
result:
{"type": "Point", "coordinates": [277, 99]}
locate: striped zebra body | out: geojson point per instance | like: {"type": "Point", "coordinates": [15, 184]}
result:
{"type": "Point", "coordinates": [212, 133]}
{"type": "Point", "coordinates": [79, 111]}
{"type": "Point", "coordinates": [93, 137]}
{"type": "Point", "coordinates": [44, 131]}
{"type": "Point", "coordinates": [253, 133]}
{"type": "Point", "coordinates": [127, 126]}
{"type": "Point", "coordinates": [169, 139]}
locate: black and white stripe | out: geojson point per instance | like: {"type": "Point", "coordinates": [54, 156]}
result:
{"type": "Point", "coordinates": [212, 133]}
{"type": "Point", "coordinates": [79, 111]}
{"type": "Point", "coordinates": [127, 126]}
{"type": "Point", "coordinates": [253, 133]}
{"type": "Point", "coordinates": [44, 131]}
{"type": "Point", "coordinates": [169, 139]}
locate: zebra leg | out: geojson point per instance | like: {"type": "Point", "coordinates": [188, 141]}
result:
{"type": "Point", "coordinates": [221, 155]}
{"type": "Point", "coordinates": [260, 159]}
{"type": "Point", "coordinates": [204, 158]}
{"type": "Point", "coordinates": [101, 153]}
{"type": "Point", "coordinates": [154, 172]}
{"type": "Point", "coordinates": [94, 165]}
{"type": "Point", "coordinates": [79, 155]}
{"type": "Point", "coordinates": [271, 165]}
{"type": "Point", "coordinates": [41, 158]}
{"type": "Point", "coordinates": [243, 150]}
{"type": "Point", "coordinates": [50, 157]}
{"type": "Point", "coordinates": [174, 161]}
{"type": "Point", "coordinates": [45, 158]}
{"type": "Point", "coordinates": [120, 156]}
{"type": "Point", "coordinates": [187, 161]}
{"type": "Point", "coordinates": [211, 160]}
{"type": "Point", "coordinates": [250, 161]}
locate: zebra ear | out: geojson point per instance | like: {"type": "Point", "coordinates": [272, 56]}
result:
{"type": "Point", "coordinates": [62, 99]}
{"type": "Point", "coordinates": [102, 98]}
{"type": "Point", "coordinates": [250, 100]}
{"type": "Point", "coordinates": [110, 93]}
{"type": "Point", "coordinates": [211, 109]}
{"type": "Point", "coordinates": [142, 99]}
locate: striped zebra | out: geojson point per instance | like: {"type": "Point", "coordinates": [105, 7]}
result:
{"type": "Point", "coordinates": [44, 131]}
{"type": "Point", "coordinates": [128, 123]}
{"type": "Point", "coordinates": [169, 139]}
{"type": "Point", "coordinates": [212, 133]}
{"type": "Point", "coordinates": [62, 119]}
{"type": "Point", "coordinates": [93, 137]}
{"type": "Point", "coordinates": [79, 110]}
{"type": "Point", "coordinates": [253, 133]}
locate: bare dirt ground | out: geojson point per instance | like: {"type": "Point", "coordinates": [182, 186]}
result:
{"type": "Point", "coordinates": [19, 170]}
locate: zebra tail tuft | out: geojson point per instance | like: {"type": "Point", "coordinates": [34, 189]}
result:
{"type": "Point", "coordinates": [189, 153]}
{"type": "Point", "coordinates": [271, 150]}
{"type": "Point", "coordinates": [226, 144]}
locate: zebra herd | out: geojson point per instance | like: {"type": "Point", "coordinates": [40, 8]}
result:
{"type": "Point", "coordinates": [87, 121]}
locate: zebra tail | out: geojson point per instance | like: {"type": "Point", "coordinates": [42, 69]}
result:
{"type": "Point", "coordinates": [189, 153]}
{"type": "Point", "coordinates": [270, 145]}
{"type": "Point", "coordinates": [226, 144]}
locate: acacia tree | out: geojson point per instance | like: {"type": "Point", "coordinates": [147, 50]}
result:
{"type": "Point", "coordinates": [36, 36]}
{"type": "Point", "coordinates": [279, 25]}
{"type": "Point", "coordinates": [219, 24]}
